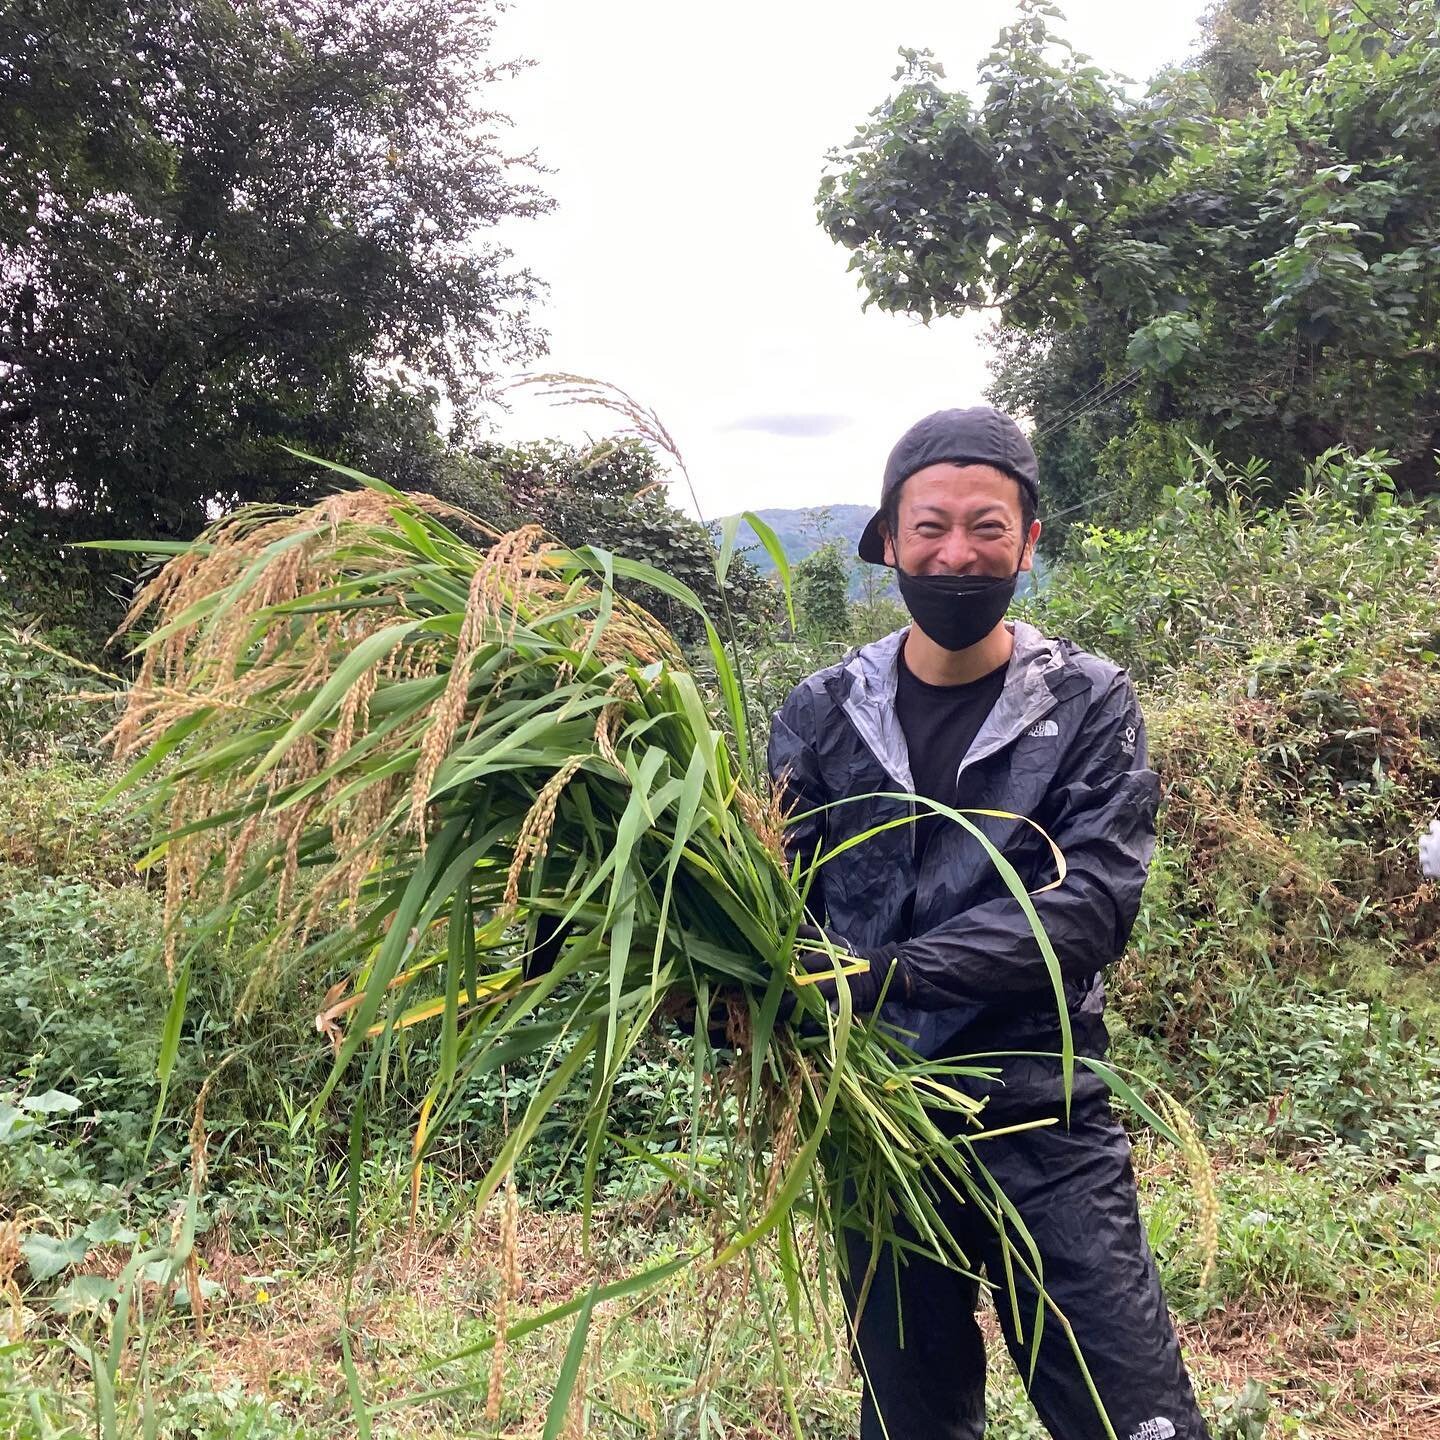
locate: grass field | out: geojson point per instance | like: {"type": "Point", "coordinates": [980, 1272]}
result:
{"type": "Point", "coordinates": [1323, 1327]}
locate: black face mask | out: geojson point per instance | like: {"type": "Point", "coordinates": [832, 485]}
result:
{"type": "Point", "coordinates": [956, 611]}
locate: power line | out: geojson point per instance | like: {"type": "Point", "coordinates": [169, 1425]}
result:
{"type": "Point", "coordinates": [1079, 403]}
{"type": "Point", "coordinates": [1100, 384]}
{"type": "Point", "coordinates": [1072, 415]}
{"type": "Point", "coordinates": [1083, 505]}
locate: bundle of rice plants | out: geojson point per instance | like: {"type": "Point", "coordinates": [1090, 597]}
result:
{"type": "Point", "coordinates": [519, 819]}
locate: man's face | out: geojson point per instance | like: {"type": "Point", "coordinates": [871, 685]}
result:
{"type": "Point", "coordinates": [961, 520]}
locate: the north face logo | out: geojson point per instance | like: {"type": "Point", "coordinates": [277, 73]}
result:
{"type": "Point", "coordinates": [1043, 728]}
{"type": "Point", "coordinates": [1157, 1429]}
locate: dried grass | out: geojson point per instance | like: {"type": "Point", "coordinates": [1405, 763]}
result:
{"type": "Point", "coordinates": [1381, 1383]}
{"type": "Point", "coordinates": [10, 1232]}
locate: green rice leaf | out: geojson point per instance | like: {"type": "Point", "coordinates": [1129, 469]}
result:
{"type": "Point", "coordinates": [569, 1369]}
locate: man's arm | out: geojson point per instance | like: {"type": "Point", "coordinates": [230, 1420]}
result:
{"type": "Point", "coordinates": [1106, 831]}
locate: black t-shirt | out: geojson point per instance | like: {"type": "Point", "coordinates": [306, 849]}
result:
{"type": "Point", "coordinates": [940, 723]}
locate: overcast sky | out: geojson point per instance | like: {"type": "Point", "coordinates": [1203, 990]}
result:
{"type": "Point", "coordinates": [683, 258]}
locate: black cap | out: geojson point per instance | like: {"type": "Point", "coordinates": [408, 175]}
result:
{"type": "Point", "coordinates": [981, 435]}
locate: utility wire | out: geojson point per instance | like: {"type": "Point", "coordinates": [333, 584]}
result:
{"type": "Point", "coordinates": [1073, 414]}
{"type": "Point", "coordinates": [1069, 417]}
{"type": "Point", "coordinates": [1083, 505]}
{"type": "Point", "coordinates": [1079, 400]}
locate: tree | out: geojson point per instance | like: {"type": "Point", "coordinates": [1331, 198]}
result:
{"type": "Point", "coordinates": [230, 224]}
{"type": "Point", "coordinates": [822, 584]}
{"type": "Point", "coordinates": [612, 495]}
{"type": "Point", "coordinates": [1245, 40]}
{"type": "Point", "coordinates": [1263, 277]}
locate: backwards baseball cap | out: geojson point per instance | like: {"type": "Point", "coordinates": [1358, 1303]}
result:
{"type": "Point", "coordinates": [981, 435]}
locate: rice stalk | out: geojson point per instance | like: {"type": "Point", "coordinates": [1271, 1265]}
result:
{"type": "Point", "coordinates": [505, 1298]}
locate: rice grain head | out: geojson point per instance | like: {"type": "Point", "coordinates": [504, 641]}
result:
{"type": "Point", "coordinates": [509, 1290]}
{"type": "Point", "coordinates": [535, 828]}
{"type": "Point", "coordinates": [354, 713]}
{"type": "Point", "coordinates": [495, 1385]}
{"type": "Point", "coordinates": [766, 819]}
{"type": "Point", "coordinates": [490, 608]}
{"type": "Point", "coordinates": [197, 1295]}
{"type": "Point", "coordinates": [240, 852]}
{"type": "Point", "coordinates": [607, 726]}
{"type": "Point", "coordinates": [633, 639]}
{"type": "Point", "coordinates": [1202, 1185]}
{"type": "Point", "coordinates": [507, 569]}
{"type": "Point", "coordinates": [199, 1165]}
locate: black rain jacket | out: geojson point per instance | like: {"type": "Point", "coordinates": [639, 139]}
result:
{"type": "Point", "coordinates": [1065, 746]}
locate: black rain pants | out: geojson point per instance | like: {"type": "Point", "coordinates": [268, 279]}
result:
{"type": "Point", "coordinates": [1075, 1190]}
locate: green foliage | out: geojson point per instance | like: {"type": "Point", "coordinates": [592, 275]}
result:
{"type": "Point", "coordinates": [40, 707]}
{"type": "Point", "coordinates": [1287, 659]}
{"type": "Point", "coordinates": [1243, 1415]}
{"type": "Point", "coordinates": [1328, 1077]}
{"type": "Point", "coordinates": [1263, 276]}
{"type": "Point", "coordinates": [1244, 41]}
{"type": "Point", "coordinates": [55, 822]}
{"type": "Point", "coordinates": [821, 582]}
{"type": "Point", "coordinates": [1277, 975]}
{"type": "Point", "coordinates": [874, 618]}
{"type": "Point", "coordinates": [612, 495]}
{"type": "Point", "coordinates": [1300, 1237]}
{"type": "Point", "coordinates": [804, 530]}
{"type": "Point", "coordinates": [1218, 581]}
{"type": "Point", "coordinates": [230, 225]}
{"type": "Point", "coordinates": [83, 997]}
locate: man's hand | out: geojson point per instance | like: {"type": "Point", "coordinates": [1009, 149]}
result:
{"type": "Point", "coordinates": [813, 947]}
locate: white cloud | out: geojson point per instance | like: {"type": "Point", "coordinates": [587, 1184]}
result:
{"type": "Point", "coordinates": [684, 259]}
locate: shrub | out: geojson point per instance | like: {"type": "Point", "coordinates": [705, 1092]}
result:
{"type": "Point", "coordinates": [1287, 660]}
{"type": "Point", "coordinates": [55, 822]}
{"type": "Point", "coordinates": [40, 713]}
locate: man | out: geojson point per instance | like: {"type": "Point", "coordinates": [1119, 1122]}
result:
{"type": "Point", "coordinates": [968, 710]}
